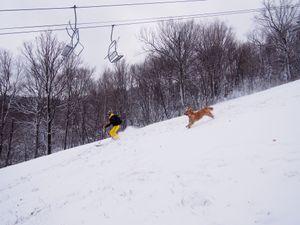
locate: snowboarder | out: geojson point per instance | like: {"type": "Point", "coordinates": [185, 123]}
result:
{"type": "Point", "coordinates": [115, 121]}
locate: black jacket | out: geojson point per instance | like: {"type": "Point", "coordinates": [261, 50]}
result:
{"type": "Point", "coordinates": [114, 120]}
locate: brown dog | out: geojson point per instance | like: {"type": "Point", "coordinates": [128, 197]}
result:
{"type": "Point", "coordinates": [197, 115]}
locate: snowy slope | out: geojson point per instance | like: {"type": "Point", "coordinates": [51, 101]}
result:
{"type": "Point", "coordinates": [241, 168]}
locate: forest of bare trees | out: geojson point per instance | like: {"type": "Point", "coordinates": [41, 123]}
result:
{"type": "Point", "coordinates": [48, 103]}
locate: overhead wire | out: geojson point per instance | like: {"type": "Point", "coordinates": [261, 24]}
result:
{"type": "Point", "coordinates": [100, 6]}
{"type": "Point", "coordinates": [128, 22]}
{"type": "Point", "coordinates": [90, 25]}
{"type": "Point", "coordinates": [168, 18]}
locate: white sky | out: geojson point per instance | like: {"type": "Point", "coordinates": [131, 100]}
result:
{"type": "Point", "coordinates": [96, 41]}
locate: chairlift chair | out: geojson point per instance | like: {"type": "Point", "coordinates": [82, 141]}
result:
{"type": "Point", "coordinates": [112, 53]}
{"type": "Point", "coordinates": [73, 33]}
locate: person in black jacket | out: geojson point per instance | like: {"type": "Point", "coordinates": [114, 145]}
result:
{"type": "Point", "coordinates": [115, 121]}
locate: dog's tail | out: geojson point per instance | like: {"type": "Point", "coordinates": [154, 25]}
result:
{"type": "Point", "coordinates": [210, 108]}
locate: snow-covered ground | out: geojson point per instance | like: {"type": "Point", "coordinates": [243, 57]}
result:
{"type": "Point", "coordinates": [241, 168]}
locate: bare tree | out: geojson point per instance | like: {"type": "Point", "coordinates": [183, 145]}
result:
{"type": "Point", "coordinates": [71, 94]}
{"type": "Point", "coordinates": [215, 49]}
{"type": "Point", "coordinates": [120, 85]}
{"type": "Point", "coordinates": [81, 88]}
{"type": "Point", "coordinates": [278, 21]}
{"type": "Point", "coordinates": [8, 91]}
{"type": "Point", "coordinates": [174, 44]}
{"type": "Point", "coordinates": [32, 104]}
{"type": "Point", "coordinates": [151, 92]}
{"type": "Point", "coordinates": [44, 68]}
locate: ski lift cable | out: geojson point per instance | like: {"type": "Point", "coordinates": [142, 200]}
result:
{"type": "Point", "coordinates": [231, 12]}
{"type": "Point", "coordinates": [126, 22]}
{"type": "Point", "coordinates": [142, 3]}
{"type": "Point", "coordinates": [110, 22]}
{"type": "Point", "coordinates": [50, 25]}
{"type": "Point", "coordinates": [101, 6]}
{"type": "Point", "coordinates": [130, 21]}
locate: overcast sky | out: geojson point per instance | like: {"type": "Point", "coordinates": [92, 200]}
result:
{"type": "Point", "coordinates": [96, 41]}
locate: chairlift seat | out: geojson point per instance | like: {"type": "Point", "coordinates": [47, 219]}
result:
{"type": "Point", "coordinates": [116, 58]}
{"type": "Point", "coordinates": [68, 49]}
{"type": "Point", "coordinates": [113, 55]}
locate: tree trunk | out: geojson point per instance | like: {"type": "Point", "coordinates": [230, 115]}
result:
{"type": "Point", "coordinates": [67, 124]}
{"type": "Point", "coordinates": [49, 127]}
{"type": "Point", "coordinates": [2, 124]}
{"type": "Point", "coordinates": [37, 139]}
{"type": "Point", "coordinates": [10, 143]}
{"type": "Point", "coordinates": [83, 125]}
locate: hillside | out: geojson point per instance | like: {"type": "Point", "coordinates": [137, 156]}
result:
{"type": "Point", "coordinates": [241, 168]}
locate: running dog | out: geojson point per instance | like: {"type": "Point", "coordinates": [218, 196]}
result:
{"type": "Point", "coordinates": [197, 115]}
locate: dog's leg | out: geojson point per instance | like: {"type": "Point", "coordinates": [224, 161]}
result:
{"type": "Point", "coordinates": [190, 124]}
{"type": "Point", "coordinates": [210, 115]}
